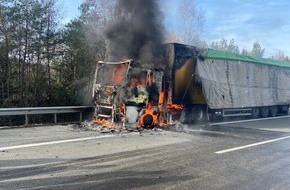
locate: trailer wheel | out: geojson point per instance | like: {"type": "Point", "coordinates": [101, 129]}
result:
{"type": "Point", "coordinates": [264, 112]}
{"type": "Point", "coordinates": [255, 112]}
{"type": "Point", "coordinates": [273, 111]}
{"type": "Point", "coordinates": [198, 114]}
{"type": "Point", "coordinates": [184, 117]}
{"type": "Point", "coordinates": [195, 115]}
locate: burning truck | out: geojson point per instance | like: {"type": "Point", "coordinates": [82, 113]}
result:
{"type": "Point", "coordinates": [127, 94]}
{"type": "Point", "coordinates": [189, 85]}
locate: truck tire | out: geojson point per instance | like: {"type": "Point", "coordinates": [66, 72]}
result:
{"type": "Point", "coordinates": [182, 118]}
{"type": "Point", "coordinates": [194, 115]}
{"type": "Point", "coordinates": [198, 114]}
{"type": "Point", "coordinates": [255, 113]}
{"type": "Point", "coordinates": [283, 110]}
{"type": "Point", "coordinates": [265, 112]}
{"type": "Point", "coordinates": [273, 111]}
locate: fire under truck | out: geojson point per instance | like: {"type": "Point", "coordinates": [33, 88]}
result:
{"type": "Point", "coordinates": [189, 85]}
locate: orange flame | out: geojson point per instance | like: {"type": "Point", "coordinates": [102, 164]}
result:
{"type": "Point", "coordinates": [101, 121]}
{"type": "Point", "coordinates": [108, 90]}
{"type": "Point", "coordinates": [149, 111]}
{"type": "Point", "coordinates": [138, 80]}
{"type": "Point", "coordinates": [107, 123]}
{"type": "Point", "coordinates": [119, 72]}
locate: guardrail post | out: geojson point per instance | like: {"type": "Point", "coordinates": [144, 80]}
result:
{"type": "Point", "coordinates": [26, 119]}
{"type": "Point", "coordinates": [81, 116]}
{"type": "Point", "coordinates": [55, 118]}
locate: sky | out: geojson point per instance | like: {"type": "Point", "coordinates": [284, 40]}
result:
{"type": "Point", "coordinates": [247, 21]}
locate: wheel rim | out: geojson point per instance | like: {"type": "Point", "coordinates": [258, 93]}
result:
{"type": "Point", "coordinates": [198, 115]}
{"type": "Point", "coordinates": [183, 117]}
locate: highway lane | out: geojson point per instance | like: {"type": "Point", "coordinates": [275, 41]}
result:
{"type": "Point", "coordinates": [269, 123]}
{"type": "Point", "coordinates": [63, 157]}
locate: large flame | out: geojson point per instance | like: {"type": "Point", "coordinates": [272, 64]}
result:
{"type": "Point", "coordinates": [152, 114]}
{"type": "Point", "coordinates": [119, 74]}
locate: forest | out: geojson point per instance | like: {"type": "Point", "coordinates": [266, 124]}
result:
{"type": "Point", "coordinates": [46, 63]}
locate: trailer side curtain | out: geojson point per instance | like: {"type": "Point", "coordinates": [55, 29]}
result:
{"type": "Point", "coordinates": [237, 84]}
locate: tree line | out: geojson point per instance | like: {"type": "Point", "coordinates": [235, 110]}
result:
{"type": "Point", "coordinates": [45, 64]}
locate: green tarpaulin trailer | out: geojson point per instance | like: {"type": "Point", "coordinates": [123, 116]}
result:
{"type": "Point", "coordinates": [234, 81]}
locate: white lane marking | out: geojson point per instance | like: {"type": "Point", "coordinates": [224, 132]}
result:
{"type": "Point", "coordinates": [54, 142]}
{"type": "Point", "coordinates": [243, 121]}
{"type": "Point", "coordinates": [250, 145]}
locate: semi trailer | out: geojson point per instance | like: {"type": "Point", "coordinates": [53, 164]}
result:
{"type": "Point", "coordinates": [189, 84]}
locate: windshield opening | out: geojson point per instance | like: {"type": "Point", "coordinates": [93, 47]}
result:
{"type": "Point", "coordinates": [112, 74]}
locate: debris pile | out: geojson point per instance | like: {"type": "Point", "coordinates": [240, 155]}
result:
{"type": "Point", "coordinates": [91, 126]}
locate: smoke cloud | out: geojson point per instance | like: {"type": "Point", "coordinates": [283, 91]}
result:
{"type": "Point", "coordinates": [137, 32]}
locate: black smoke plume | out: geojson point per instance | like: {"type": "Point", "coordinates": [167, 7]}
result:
{"type": "Point", "coordinates": [137, 32]}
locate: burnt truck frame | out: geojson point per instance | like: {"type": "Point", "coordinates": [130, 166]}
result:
{"type": "Point", "coordinates": [195, 83]}
{"type": "Point", "coordinates": [126, 94]}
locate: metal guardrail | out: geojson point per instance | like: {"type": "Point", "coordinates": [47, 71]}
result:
{"type": "Point", "coordinates": [45, 110]}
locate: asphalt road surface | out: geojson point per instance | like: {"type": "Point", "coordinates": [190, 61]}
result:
{"type": "Point", "coordinates": [249, 155]}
